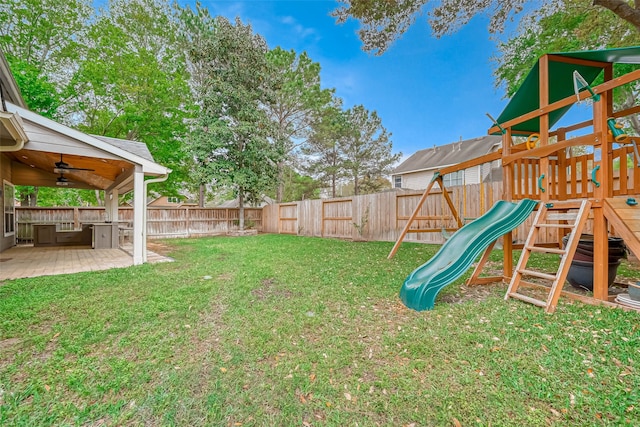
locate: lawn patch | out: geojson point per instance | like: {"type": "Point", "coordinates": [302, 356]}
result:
{"type": "Point", "coordinates": [287, 330]}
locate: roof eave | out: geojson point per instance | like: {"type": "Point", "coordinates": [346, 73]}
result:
{"type": "Point", "coordinates": [148, 167]}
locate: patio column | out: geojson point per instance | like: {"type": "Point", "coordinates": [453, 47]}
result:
{"type": "Point", "coordinates": [139, 206]}
{"type": "Point", "coordinates": [111, 204]}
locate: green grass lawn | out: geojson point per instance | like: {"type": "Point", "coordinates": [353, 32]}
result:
{"type": "Point", "coordinates": [284, 330]}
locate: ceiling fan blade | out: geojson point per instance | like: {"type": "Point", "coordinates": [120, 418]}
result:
{"type": "Point", "coordinates": [70, 169]}
{"type": "Point", "coordinates": [62, 166]}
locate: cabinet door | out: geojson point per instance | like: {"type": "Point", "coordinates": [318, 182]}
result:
{"type": "Point", "coordinates": [44, 235]}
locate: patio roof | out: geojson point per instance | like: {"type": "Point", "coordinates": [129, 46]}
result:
{"type": "Point", "coordinates": [108, 160]}
{"type": "Point", "coordinates": [561, 67]}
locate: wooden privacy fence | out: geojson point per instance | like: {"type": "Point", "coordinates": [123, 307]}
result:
{"type": "Point", "coordinates": [382, 216]}
{"type": "Point", "coordinates": [161, 222]}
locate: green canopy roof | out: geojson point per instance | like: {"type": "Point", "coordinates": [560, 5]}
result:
{"type": "Point", "coordinates": [527, 98]}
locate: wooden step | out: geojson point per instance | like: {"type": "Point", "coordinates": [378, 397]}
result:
{"type": "Point", "coordinates": [555, 225]}
{"type": "Point", "coordinates": [552, 216]}
{"type": "Point", "coordinates": [528, 299]}
{"type": "Point", "coordinates": [538, 274]}
{"type": "Point", "coordinates": [546, 250]}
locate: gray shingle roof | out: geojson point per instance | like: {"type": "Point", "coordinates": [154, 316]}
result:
{"type": "Point", "coordinates": [134, 147]}
{"type": "Point", "coordinates": [450, 154]}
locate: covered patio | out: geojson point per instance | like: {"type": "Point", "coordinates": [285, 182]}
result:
{"type": "Point", "coordinates": [40, 152]}
{"type": "Point", "coordinates": [26, 261]}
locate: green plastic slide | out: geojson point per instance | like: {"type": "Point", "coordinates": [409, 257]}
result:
{"type": "Point", "coordinates": [420, 289]}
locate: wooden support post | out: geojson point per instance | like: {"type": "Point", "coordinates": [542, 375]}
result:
{"type": "Point", "coordinates": [602, 188]}
{"type": "Point", "coordinates": [544, 127]}
{"type": "Point", "coordinates": [447, 198]}
{"type": "Point", "coordinates": [473, 280]}
{"type": "Point", "coordinates": [507, 194]}
{"type": "Point", "coordinates": [413, 216]}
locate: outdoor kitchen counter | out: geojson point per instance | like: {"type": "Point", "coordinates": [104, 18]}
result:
{"type": "Point", "coordinates": [103, 235]}
{"type": "Point", "coordinates": [49, 235]}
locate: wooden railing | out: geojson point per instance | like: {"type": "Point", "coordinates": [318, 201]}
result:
{"type": "Point", "coordinates": [571, 177]}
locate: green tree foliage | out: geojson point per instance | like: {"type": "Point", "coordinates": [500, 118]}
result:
{"type": "Point", "coordinates": [231, 140]}
{"type": "Point", "coordinates": [133, 83]}
{"type": "Point", "coordinates": [39, 93]}
{"type": "Point", "coordinates": [295, 104]}
{"type": "Point", "coordinates": [370, 185]}
{"type": "Point", "coordinates": [383, 22]}
{"type": "Point", "coordinates": [50, 196]}
{"type": "Point", "coordinates": [299, 187]}
{"type": "Point", "coordinates": [366, 148]}
{"type": "Point", "coordinates": [352, 145]}
{"type": "Point", "coordinates": [42, 41]}
{"type": "Point", "coordinates": [324, 160]}
{"type": "Point", "coordinates": [119, 73]}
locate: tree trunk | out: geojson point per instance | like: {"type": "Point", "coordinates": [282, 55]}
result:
{"type": "Point", "coordinates": [280, 189]}
{"type": "Point", "coordinates": [201, 196]}
{"type": "Point", "coordinates": [623, 10]}
{"type": "Point", "coordinates": [99, 197]}
{"type": "Point", "coordinates": [241, 210]}
{"type": "Point", "coordinates": [29, 198]}
{"type": "Point", "coordinates": [333, 186]}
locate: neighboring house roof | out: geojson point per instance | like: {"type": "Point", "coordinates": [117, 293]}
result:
{"type": "Point", "coordinates": [450, 154]}
{"type": "Point", "coordinates": [134, 147]}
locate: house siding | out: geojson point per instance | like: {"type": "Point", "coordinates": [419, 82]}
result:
{"type": "Point", "coordinates": [5, 175]}
{"type": "Point", "coordinates": [416, 180]}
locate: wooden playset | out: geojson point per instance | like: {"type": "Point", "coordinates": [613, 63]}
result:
{"type": "Point", "coordinates": [592, 179]}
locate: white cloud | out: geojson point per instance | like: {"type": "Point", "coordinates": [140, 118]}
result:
{"type": "Point", "coordinates": [299, 30]}
{"type": "Point", "coordinates": [227, 9]}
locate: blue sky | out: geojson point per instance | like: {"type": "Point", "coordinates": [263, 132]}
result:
{"type": "Point", "coordinates": [427, 91]}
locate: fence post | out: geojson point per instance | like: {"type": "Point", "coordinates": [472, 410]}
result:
{"type": "Point", "coordinates": [76, 218]}
{"type": "Point", "coordinates": [187, 213]}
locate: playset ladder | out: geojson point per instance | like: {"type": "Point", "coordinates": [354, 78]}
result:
{"type": "Point", "coordinates": [547, 213]}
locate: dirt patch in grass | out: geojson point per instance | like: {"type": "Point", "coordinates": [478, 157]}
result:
{"type": "Point", "coordinates": [159, 248]}
{"type": "Point", "coordinates": [9, 343]}
{"type": "Point", "coordinates": [8, 349]}
{"type": "Point", "coordinates": [269, 288]}
{"type": "Point", "coordinates": [225, 277]}
{"type": "Point", "coordinates": [468, 293]}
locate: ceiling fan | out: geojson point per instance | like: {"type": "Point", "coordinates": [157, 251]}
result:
{"type": "Point", "coordinates": [62, 181]}
{"type": "Point", "coordinates": [62, 167]}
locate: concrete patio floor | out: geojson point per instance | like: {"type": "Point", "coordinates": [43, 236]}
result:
{"type": "Point", "coordinates": [28, 261]}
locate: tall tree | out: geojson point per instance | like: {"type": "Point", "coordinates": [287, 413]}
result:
{"type": "Point", "coordinates": [367, 148]}
{"type": "Point", "coordinates": [300, 187]}
{"type": "Point", "coordinates": [322, 148]}
{"type": "Point", "coordinates": [296, 101]}
{"type": "Point", "coordinates": [43, 42]}
{"type": "Point", "coordinates": [232, 139]}
{"type": "Point", "coordinates": [133, 83]}
{"type": "Point", "coordinates": [383, 22]}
